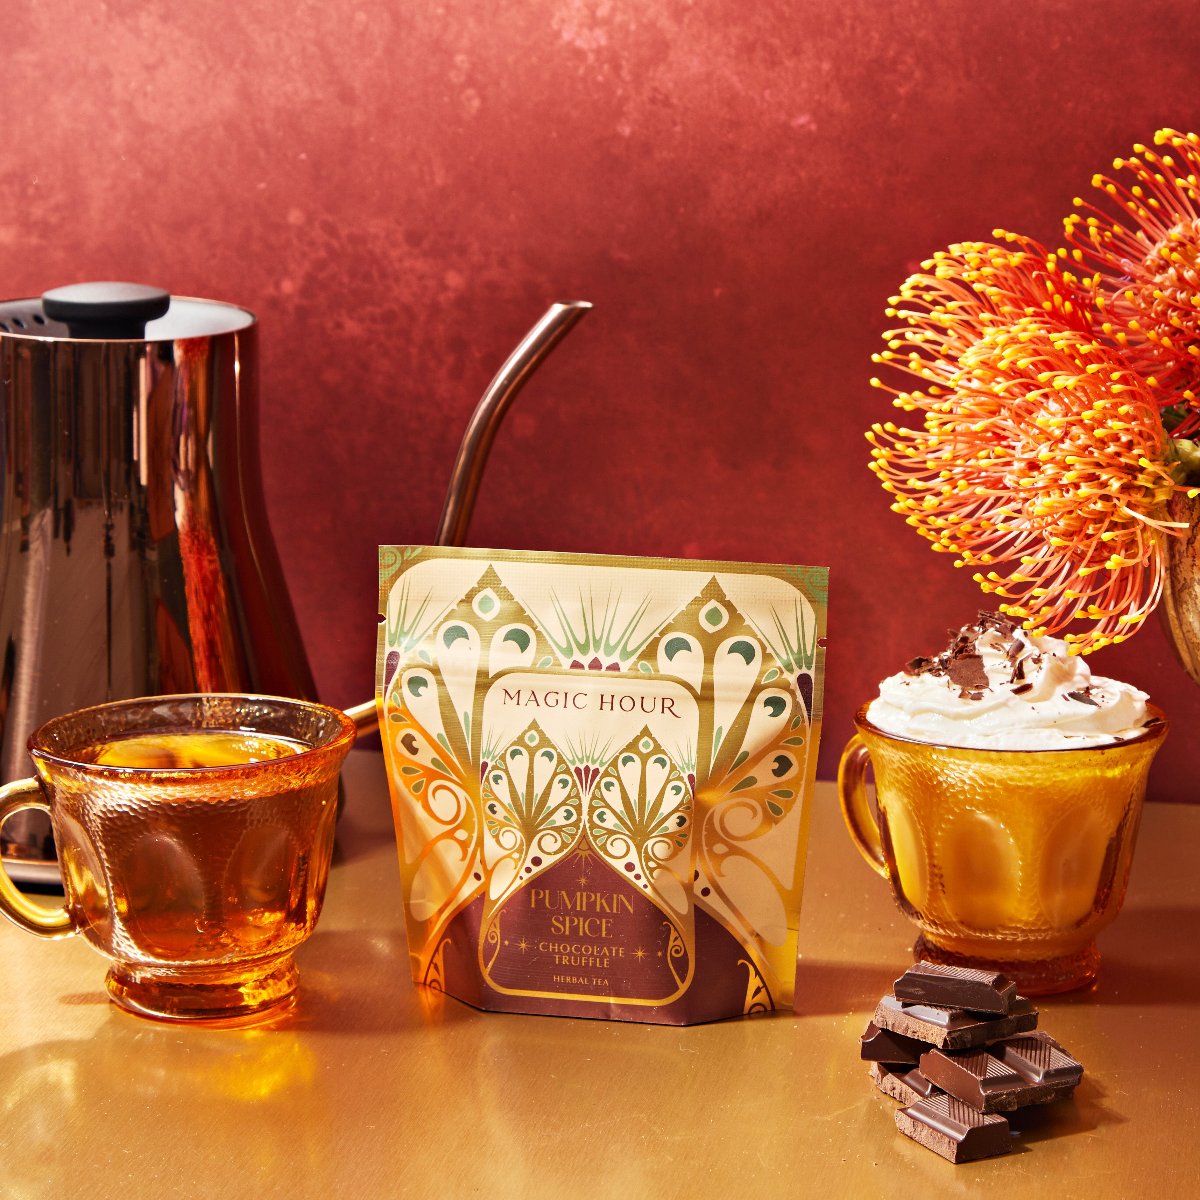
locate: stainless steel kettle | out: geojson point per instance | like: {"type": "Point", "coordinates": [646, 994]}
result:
{"type": "Point", "coordinates": [135, 555]}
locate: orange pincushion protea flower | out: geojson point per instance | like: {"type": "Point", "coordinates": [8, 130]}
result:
{"type": "Point", "coordinates": [1148, 266]}
{"type": "Point", "coordinates": [1040, 459]}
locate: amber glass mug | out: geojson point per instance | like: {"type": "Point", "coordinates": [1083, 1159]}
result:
{"type": "Point", "coordinates": [1009, 859]}
{"type": "Point", "coordinates": [199, 869]}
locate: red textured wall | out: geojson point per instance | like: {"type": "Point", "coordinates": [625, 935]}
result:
{"type": "Point", "coordinates": [399, 189]}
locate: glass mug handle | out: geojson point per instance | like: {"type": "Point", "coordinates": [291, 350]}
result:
{"type": "Point", "coordinates": [852, 792]}
{"type": "Point", "coordinates": [16, 797]}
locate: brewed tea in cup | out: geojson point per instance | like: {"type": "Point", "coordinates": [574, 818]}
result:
{"type": "Point", "coordinates": [194, 836]}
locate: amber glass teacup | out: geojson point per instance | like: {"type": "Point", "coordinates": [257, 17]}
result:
{"type": "Point", "coordinates": [1009, 859]}
{"type": "Point", "coordinates": [194, 834]}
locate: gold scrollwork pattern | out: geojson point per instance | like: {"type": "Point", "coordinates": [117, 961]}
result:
{"type": "Point", "coordinates": [435, 968]}
{"type": "Point", "coordinates": [439, 826]}
{"type": "Point", "coordinates": [758, 995]}
{"type": "Point", "coordinates": [491, 942]}
{"type": "Point", "coordinates": [679, 955]}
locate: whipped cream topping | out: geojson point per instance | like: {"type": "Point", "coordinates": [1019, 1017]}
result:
{"type": "Point", "coordinates": [997, 688]}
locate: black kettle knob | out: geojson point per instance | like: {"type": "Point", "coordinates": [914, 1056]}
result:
{"type": "Point", "coordinates": [106, 310]}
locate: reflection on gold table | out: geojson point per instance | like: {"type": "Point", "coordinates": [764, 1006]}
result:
{"type": "Point", "coordinates": [373, 1088]}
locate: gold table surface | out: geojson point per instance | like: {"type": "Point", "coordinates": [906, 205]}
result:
{"type": "Point", "coordinates": [374, 1088]}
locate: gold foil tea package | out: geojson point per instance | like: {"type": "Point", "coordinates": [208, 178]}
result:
{"type": "Point", "coordinates": [600, 771]}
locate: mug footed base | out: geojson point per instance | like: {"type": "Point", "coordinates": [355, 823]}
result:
{"type": "Point", "coordinates": [1036, 977]}
{"type": "Point", "coordinates": [245, 994]}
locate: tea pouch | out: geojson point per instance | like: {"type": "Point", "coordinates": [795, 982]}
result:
{"type": "Point", "coordinates": [600, 771]}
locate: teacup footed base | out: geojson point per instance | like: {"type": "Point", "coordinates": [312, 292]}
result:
{"type": "Point", "coordinates": [1037, 977]}
{"type": "Point", "coordinates": [240, 994]}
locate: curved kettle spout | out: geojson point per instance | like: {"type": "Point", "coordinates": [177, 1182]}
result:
{"type": "Point", "coordinates": [555, 324]}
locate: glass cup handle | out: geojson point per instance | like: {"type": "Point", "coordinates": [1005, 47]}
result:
{"type": "Point", "coordinates": [852, 792]}
{"type": "Point", "coordinates": [15, 797]}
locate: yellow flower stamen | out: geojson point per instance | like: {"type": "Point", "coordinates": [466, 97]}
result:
{"type": "Point", "coordinates": [1037, 454]}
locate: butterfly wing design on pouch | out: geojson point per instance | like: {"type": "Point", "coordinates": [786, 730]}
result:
{"type": "Point", "coordinates": [751, 755]}
{"type": "Point", "coordinates": [434, 734]}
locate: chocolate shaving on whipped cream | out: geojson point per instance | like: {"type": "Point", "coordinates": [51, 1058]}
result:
{"type": "Point", "coordinates": [963, 663]}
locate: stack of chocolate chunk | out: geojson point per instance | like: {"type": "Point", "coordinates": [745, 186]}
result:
{"type": "Point", "coordinates": [958, 1047]}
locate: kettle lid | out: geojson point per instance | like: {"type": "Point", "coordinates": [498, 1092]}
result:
{"type": "Point", "coordinates": [111, 311]}
{"type": "Point", "coordinates": [107, 309]}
